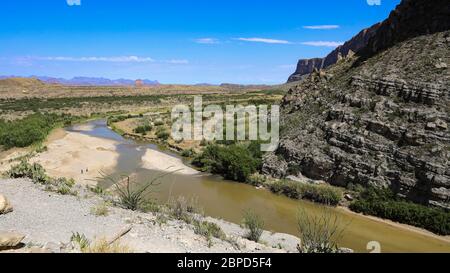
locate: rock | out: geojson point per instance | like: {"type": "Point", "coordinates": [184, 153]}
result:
{"type": "Point", "coordinates": [441, 124]}
{"type": "Point", "coordinates": [10, 239]}
{"type": "Point", "coordinates": [5, 205]}
{"type": "Point", "coordinates": [305, 67]}
{"type": "Point", "coordinates": [348, 197]}
{"type": "Point", "coordinates": [348, 49]}
{"type": "Point", "coordinates": [345, 250]}
{"type": "Point", "coordinates": [441, 65]}
{"type": "Point", "coordinates": [382, 120]}
{"type": "Point", "coordinates": [430, 126]}
{"type": "Point", "coordinates": [37, 250]}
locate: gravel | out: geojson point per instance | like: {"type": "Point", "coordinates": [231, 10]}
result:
{"type": "Point", "coordinates": [48, 220]}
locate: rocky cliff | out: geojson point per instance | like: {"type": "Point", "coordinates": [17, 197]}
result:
{"type": "Point", "coordinates": [380, 117]}
{"type": "Point", "coordinates": [306, 66]}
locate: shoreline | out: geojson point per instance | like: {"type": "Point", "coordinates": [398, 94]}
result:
{"type": "Point", "coordinates": [410, 228]}
{"type": "Point", "coordinates": [78, 156]}
{"type": "Point", "coordinates": [391, 223]}
{"type": "Point", "coordinates": [155, 160]}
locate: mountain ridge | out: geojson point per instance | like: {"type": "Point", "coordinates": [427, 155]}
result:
{"type": "Point", "coordinates": [378, 118]}
{"type": "Point", "coordinates": [87, 81]}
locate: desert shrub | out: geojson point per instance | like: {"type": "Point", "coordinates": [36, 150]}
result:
{"type": "Point", "coordinates": [325, 194]}
{"type": "Point", "coordinates": [34, 171]}
{"type": "Point", "coordinates": [29, 130]}
{"type": "Point", "coordinates": [159, 123]}
{"type": "Point", "coordinates": [254, 223]}
{"type": "Point", "coordinates": [234, 162]}
{"type": "Point", "coordinates": [80, 240]}
{"type": "Point", "coordinates": [142, 129]}
{"type": "Point", "coordinates": [37, 174]}
{"type": "Point", "coordinates": [182, 208]}
{"type": "Point", "coordinates": [101, 209]}
{"type": "Point", "coordinates": [256, 179]}
{"type": "Point", "coordinates": [133, 199]}
{"type": "Point", "coordinates": [209, 230]}
{"type": "Point", "coordinates": [187, 153]}
{"type": "Point", "coordinates": [114, 119]}
{"type": "Point", "coordinates": [319, 232]}
{"type": "Point", "coordinates": [163, 134]}
{"type": "Point", "coordinates": [151, 206]}
{"type": "Point", "coordinates": [62, 186]}
{"type": "Point", "coordinates": [383, 203]}
{"type": "Point", "coordinates": [103, 246]}
{"type": "Point", "coordinates": [96, 189]}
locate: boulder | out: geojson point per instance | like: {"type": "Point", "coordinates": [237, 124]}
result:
{"type": "Point", "coordinates": [349, 197]}
{"type": "Point", "coordinates": [10, 239]}
{"type": "Point", "coordinates": [441, 124]}
{"type": "Point", "coordinates": [5, 205]}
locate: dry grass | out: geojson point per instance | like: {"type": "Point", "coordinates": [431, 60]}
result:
{"type": "Point", "coordinates": [102, 246]}
{"type": "Point", "coordinates": [102, 209]}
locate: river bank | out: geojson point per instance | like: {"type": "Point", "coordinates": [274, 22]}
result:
{"type": "Point", "coordinates": [48, 221]}
{"type": "Point", "coordinates": [225, 199]}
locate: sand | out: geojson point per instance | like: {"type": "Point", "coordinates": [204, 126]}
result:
{"type": "Point", "coordinates": [78, 156]}
{"type": "Point", "coordinates": [154, 160]}
{"type": "Point", "coordinates": [70, 154]}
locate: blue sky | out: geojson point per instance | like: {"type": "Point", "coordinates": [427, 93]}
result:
{"type": "Point", "coordinates": [176, 41]}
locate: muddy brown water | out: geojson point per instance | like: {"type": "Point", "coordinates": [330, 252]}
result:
{"type": "Point", "coordinates": [227, 200]}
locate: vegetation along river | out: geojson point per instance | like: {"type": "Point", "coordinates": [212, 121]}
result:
{"type": "Point", "coordinates": [227, 200]}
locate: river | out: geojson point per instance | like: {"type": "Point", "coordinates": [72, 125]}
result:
{"type": "Point", "coordinates": [227, 200]}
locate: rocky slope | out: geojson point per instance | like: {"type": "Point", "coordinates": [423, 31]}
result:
{"type": "Point", "coordinates": [380, 117]}
{"type": "Point", "coordinates": [306, 66]}
{"type": "Point", "coordinates": [428, 18]}
{"type": "Point", "coordinates": [45, 221]}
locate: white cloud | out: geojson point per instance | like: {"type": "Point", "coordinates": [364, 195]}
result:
{"type": "Point", "coordinates": [114, 59]}
{"type": "Point", "coordinates": [73, 2]}
{"type": "Point", "coordinates": [177, 62]}
{"type": "Point", "coordinates": [323, 43]}
{"type": "Point", "coordinates": [263, 40]}
{"type": "Point", "coordinates": [207, 41]}
{"type": "Point", "coordinates": [322, 27]}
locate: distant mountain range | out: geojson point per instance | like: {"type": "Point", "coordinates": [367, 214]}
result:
{"type": "Point", "coordinates": [88, 81]}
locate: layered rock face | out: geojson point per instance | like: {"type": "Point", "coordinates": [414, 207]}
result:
{"type": "Point", "coordinates": [429, 17]}
{"type": "Point", "coordinates": [379, 119]}
{"type": "Point", "coordinates": [307, 66]}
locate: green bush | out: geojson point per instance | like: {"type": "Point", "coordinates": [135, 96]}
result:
{"type": "Point", "coordinates": [319, 232]}
{"type": "Point", "coordinates": [384, 204]}
{"type": "Point", "coordinates": [130, 197]}
{"type": "Point", "coordinates": [164, 135]}
{"type": "Point", "coordinates": [35, 172]}
{"type": "Point", "coordinates": [187, 153]}
{"type": "Point", "coordinates": [208, 230]}
{"type": "Point", "coordinates": [29, 130]}
{"type": "Point", "coordinates": [159, 123]}
{"type": "Point", "coordinates": [235, 162]}
{"type": "Point", "coordinates": [142, 129]}
{"type": "Point", "coordinates": [114, 119]}
{"type": "Point", "coordinates": [62, 186]}
{"type": "Point", "coordinates": [325, 194]}
{"type": "Point", "coordinates": [255, 224]}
